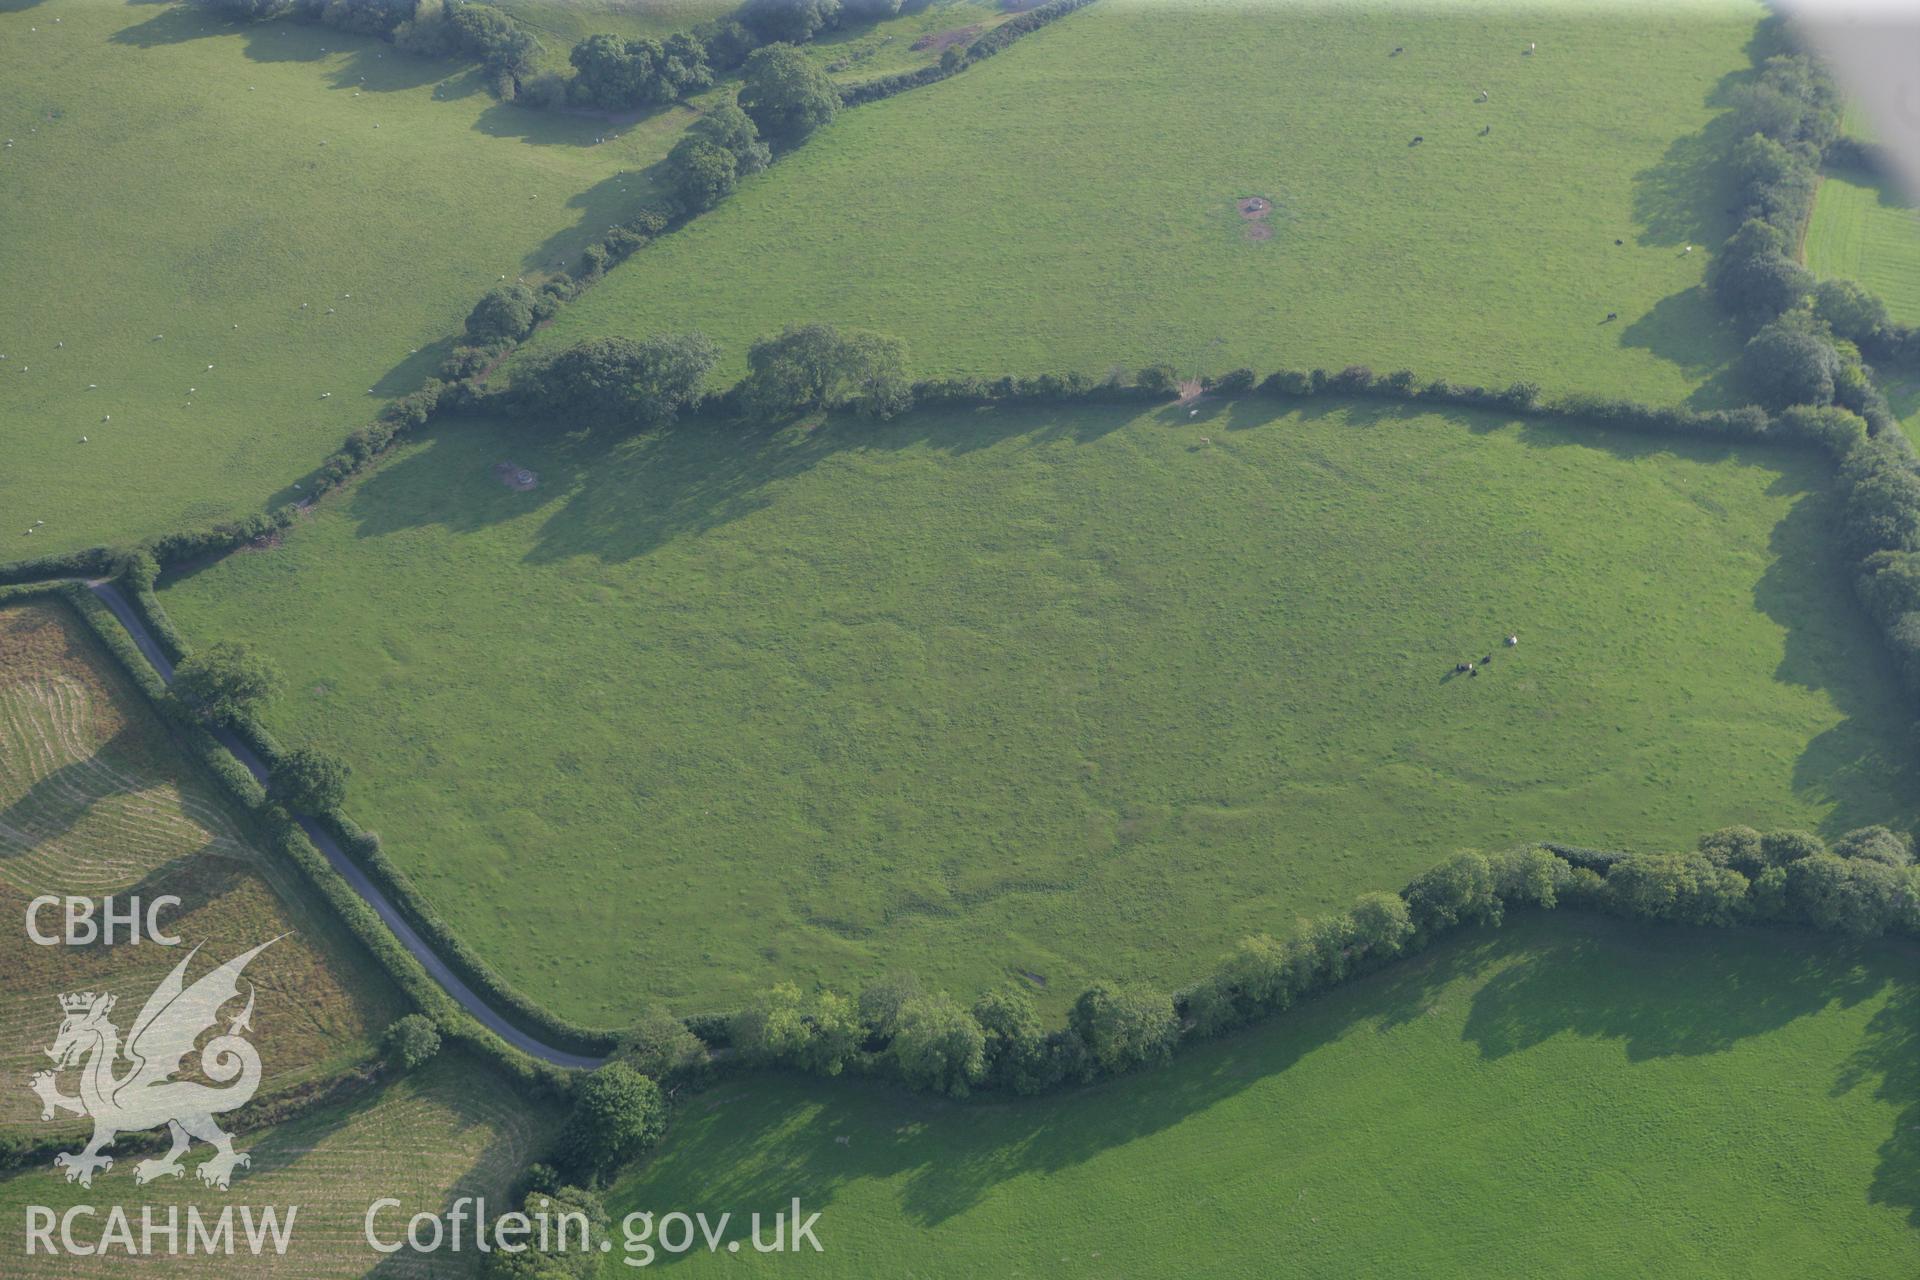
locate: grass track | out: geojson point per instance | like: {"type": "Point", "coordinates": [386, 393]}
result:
{"type": "Point", "coordinates": [1066, 693]}
{"type": "Point", "coordinates": [1568, 1097]}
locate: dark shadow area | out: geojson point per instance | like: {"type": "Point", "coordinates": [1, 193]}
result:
{"type": "Point", "coordinates": [1689, 330]}
{"type": "Point", "coordinates": [601, 207]}
{"type": "Point", "coordinates": [56, 803]}
{"type": "Point", "coordinates": [1833, 648]}
{"type": "Point", "coordinates": [372, 65]}
{"type": "Point", "coordinates": [1892, 1057]}
{"type": "Point", "coordinates": [1562, 973]}
{"type": "Point", "coordinates": [1596, 986]}
{"type": "Point", "coordinates": [852, 1132]}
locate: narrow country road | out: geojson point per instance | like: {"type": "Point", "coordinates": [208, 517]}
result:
{"type": "Point", "coordinates": [469, 1000]}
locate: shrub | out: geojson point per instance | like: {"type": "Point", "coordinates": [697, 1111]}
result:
{"type": "Point", "coordinates": [661, 1046]}
{"type": "Point", "coordinates": [366, 17]}
{"type": "Point", "coordinates": [1860, 897]}
{"type": "Point", "coordinates": [559, 1254]}
{"type": "Point", "coordinates": [1234, 382]}
{"type": "Point", "coordinates": [1158, 380]}
{"type": "Point", "coordinates": [1849, 310]}
{"type": "Point", "coordinates": [505, 51]}
{"type": "Point", "coordinates": [225, 682]}
{"type": "Point", "coordinates": [1382, 925]}
{"type": "Point", "coordinates": [1458, 891]}
{"type": "Point", "coordinates": [1876, 844]}
{"type": "Point", "coordinates": [410, 1042]}
{"type": "Point", "coordinates": [310, 781]}
{"type": "Point", "coordinates": [1684, 887]}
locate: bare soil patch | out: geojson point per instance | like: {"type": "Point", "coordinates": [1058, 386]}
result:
{"type": "Point", "coordinates": [516, 477]}
{"type": "Point", "coordinates": [938, 41]}
{"type": "Point", "coordinates": [1254, 210]}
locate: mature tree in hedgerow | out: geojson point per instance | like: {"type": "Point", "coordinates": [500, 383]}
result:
{"type": "Point", "coordinates": [558, 1254]}
{"type": "Point", "coordinates": [310, 780]}
{"type": "Point", "coordinates": [1791, 361]}
{"type": "Point", "coordinates": [790, 21]}
{"type": "Point", "coordinates": [1125, 1027]}
{"type": "Point", "coordinates": [817, 1032]}
{"type": "Point", "coordinates": [731, 129]}
{"type": "Point", "coordinates": [1016, 1043]}
{"type": "Point", "coordinates": [938, 1046]}
{"type": "Point", "coordinates": [616, 75]}
{"type": "Point", "coordinates": [786, 94]}
{"type": "Point", "coordinates": [700, 173]}
{"type": "Point", "coordinates": [617, 1115]}
{"type": "Point", "coordinates": [410, 1042]}
{"type": "Point", "coordinates": [226, 681]}
{"type": "Point", "coordinates": [506, 314]}
{"type": "Point", "coordinates": [625, 381]}
{"type": "Point", "coordinates": [1753, 277]}
{"type": "Point", "coordinates": [661, 1046]}
{"type": "Point", "coordinates": [817, 366]}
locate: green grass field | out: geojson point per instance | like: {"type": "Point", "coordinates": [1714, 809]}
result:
{"type": "Point", "coordinates": [1071, 204]}
{"type": "Point", "coordinates": [1062, 693]}
{"type": "Point", "coordinates": [450, 1130]}
{"type": "Point", "coordinates": [167, 204]}
{"type": "Point", "coordinates": [1863, 229]}
{"type": "Point", "coordinates": [1564, 1098]}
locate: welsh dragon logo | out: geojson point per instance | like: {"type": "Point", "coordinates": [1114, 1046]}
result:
{"type": "Point", "coordinates": [146, 1096]}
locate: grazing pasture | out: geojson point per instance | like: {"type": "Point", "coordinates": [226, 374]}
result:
{"type": "Point", "coordinates": [1067, 693]}
{"type": "Point", "coordinates": [93, 801]}
{"type": "Point", "coordinates": [451, 1130]}
{"type": "Point", "coordinates": [1864, 229]}
{"type": "Point", "coordinates": [178, 188]}
{"type": "Point", "coordinates": [1563, 1098]}
{"type": "Point", "coordinates": [1072, 203]}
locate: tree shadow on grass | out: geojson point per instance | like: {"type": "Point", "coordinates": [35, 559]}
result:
{"type": "Point", "coordinates": [372, 65]}
{"type": "Point", "coordinates": [1620, 986]}
{"type": "Point", "coordinates": [1891, 1058]}
{"type": "Point", "coordinates": [615, 498]}
{"type": "Point", "coordinates": [1690, 331]}
{"type": "Point", "coordinates": [755, 1149]}
{"type": "Point", "coordinates": [602, 206]}
{"type": "Point", "coordinates": [1865, 767]}
{"type": "Point", "coordinates": [57, 802]}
